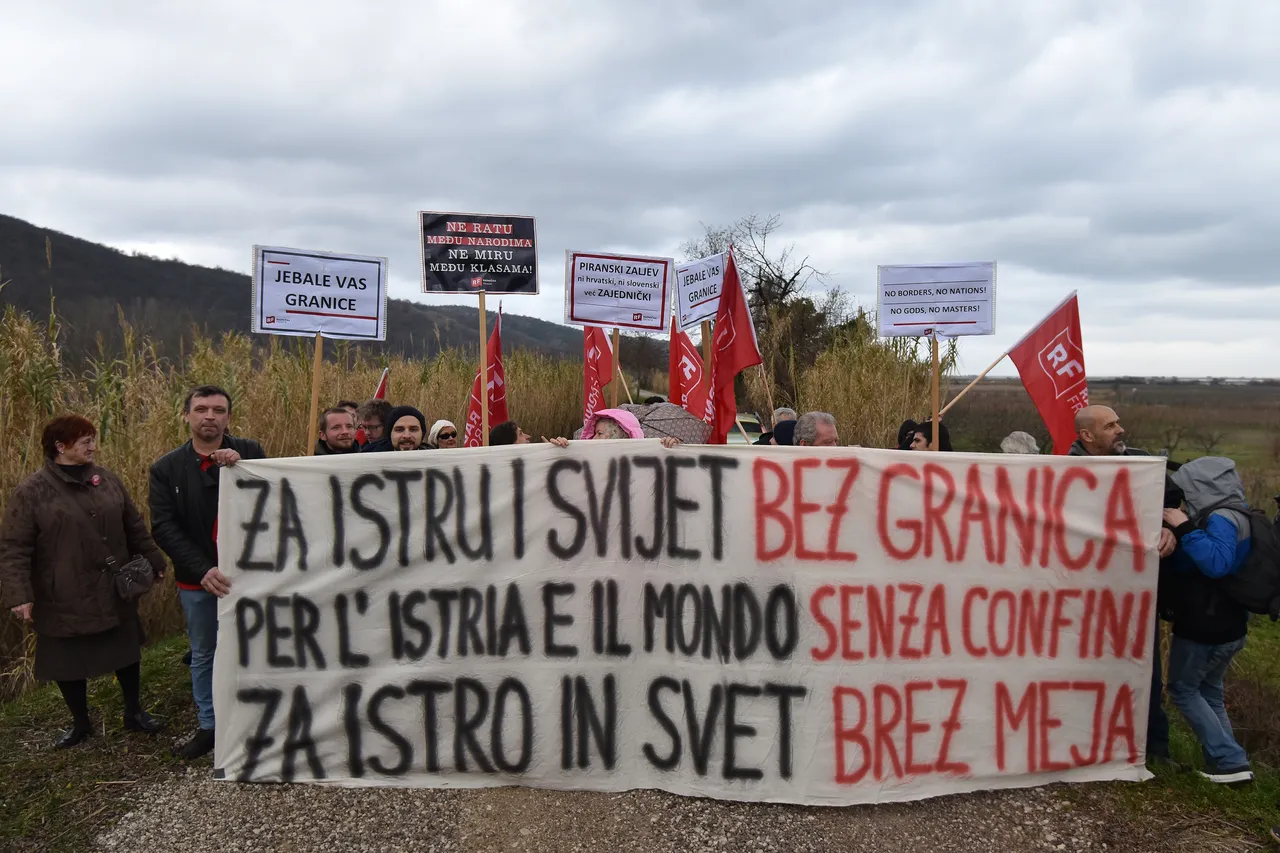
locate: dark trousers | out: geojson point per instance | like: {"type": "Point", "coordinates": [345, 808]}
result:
{"type": "Point", "coordinates": [1157, 720]}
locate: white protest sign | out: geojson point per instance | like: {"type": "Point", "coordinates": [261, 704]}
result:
{"type": "Point", "coordinates": [628, 291]}
{"type": "Point", "coordinates": [698, 286]}
{"type": "Point", "coordinates": [955, 299]}
{"type": "Point", "coordinates": [819, 626]}
{"type": "Point", "coordinates": [297, 292]}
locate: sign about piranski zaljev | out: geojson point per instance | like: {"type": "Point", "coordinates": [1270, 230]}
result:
{"type": "Point", "coordinates": [783, 624]}
{"type": "Point", "coordinates": [698, 286]}
{"type": "Point", "coordinates": [626, 291]}
{"type": "Point", "coordinates": [298, 292]}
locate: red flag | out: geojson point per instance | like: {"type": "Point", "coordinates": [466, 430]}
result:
{"type": "Point", "coordinates": [1050, 360]}
{"type": "Point", "coordinates": [597, 369]}
{"type": "Point", "coordinates": [495, 391]}
{"type": "Point", "coordinates": [687, 388]}
{"type": "Point", "coordinates": [734, 349]}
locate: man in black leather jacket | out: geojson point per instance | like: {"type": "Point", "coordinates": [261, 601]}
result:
{"type": "Point", "coordinates": [184, 523]}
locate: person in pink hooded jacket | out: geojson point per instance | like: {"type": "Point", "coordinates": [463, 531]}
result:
{"type": "Point", "coordinates": [612, 424]}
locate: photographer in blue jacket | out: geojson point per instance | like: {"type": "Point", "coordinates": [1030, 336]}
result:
{"type": "Point", "coordinates": [1209, 628]}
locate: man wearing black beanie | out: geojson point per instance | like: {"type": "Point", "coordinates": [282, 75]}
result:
{"type": "Point", "coordinates": [406, 429]}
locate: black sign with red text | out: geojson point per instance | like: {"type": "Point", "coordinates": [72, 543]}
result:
{"type": "Point", "coordinates": [474, 252]}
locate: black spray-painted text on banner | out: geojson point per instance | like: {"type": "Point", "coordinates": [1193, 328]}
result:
{"type": "Point", "coordinates": [891, 625]}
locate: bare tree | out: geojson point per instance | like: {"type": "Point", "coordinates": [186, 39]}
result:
{"type": "Point", "coordinates": [792, 326]}
{"type": "Point", "coordinates": [771, 276]}
{"type": "Point", "coordinates": [1172, 435]}
{"type": "Point", "coordinates": [1208, 439]}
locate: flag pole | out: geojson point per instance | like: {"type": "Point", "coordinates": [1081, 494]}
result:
{"type": "Point", "coordinates": [768, 391]}
{"type": "Point", "coordinates": [313, 428]}
{"type": "Point", "coordinates": [969, 387]}
{"type": "Point", "coordinates": [626, 388]}
{"type": "Point", "coordinates": [706, 353]}
{"type": "Point", "coordinates": [484, 376]}
{"type": "Point", "coordinates": [617, 373]}
{"type": "Point", "coordinates": [936, 430]}
{"type": "Point", "coordinates": [737, 420]}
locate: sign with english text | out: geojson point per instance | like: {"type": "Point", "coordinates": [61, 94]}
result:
{"type": "Point", "coordinates": [815, 626]}
{"type": "Point", "coordinates": [474, 252]}
{"type": "Point", "coordinates": [952, 299]}
{"type": "Point", "coordinates": [624, 291]}
{"type": "Point", "coordinates": [698, 286]}
{"type": "Point", "coordinates": [297, 292]}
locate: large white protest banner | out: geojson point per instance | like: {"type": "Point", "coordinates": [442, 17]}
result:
{"type": "Point", "coordinates": [819, 626]}
{"type": "Point", "coordinates": [626, 291]}
{"type": "Point", "coordinates": [954, 299]}
{"type": "Point", "coordinates": [698, 286]}
{"type": "Point", "coordinates": [298, 292]}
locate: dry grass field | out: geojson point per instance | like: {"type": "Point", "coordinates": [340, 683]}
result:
{"type": "Point", "coordinates": [1183, 420]}
{"type": "Point", "coordinates": [136, 400]}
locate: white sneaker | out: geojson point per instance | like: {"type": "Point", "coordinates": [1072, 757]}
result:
{"type": "Point", "coordinates": [1228, 775]}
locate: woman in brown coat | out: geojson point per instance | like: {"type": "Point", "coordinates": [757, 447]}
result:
{"type": "Point", "coordinates": [60, 527]}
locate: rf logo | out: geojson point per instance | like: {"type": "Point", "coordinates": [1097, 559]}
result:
{"type": "Point", "coordinates": [496, 389]}
{"type": "Point", "coordinates": [271, 319]}
{"type": "Point", "coordinates": [724, 332]}
{"type": "Point", "coordinates": [1063, 362]}
{"type": "Point", "coordinates": [477, 282]}
{"type": "Point", "coordinates": [687, 367]}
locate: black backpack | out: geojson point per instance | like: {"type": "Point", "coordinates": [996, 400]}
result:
{"type": "Point", "coordinates": [1256, 586]}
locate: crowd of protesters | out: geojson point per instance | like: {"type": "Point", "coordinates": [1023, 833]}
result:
{"type": "Point", "coordinates": [71, 519]}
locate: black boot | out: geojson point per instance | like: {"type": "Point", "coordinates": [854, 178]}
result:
{"type": "Point", "coordinates": [78, 733]}
{"type": "Point", "coordinates": [76, 695]}
{"type": "Point", "coordinates": [199, 745]}
{"type": "Point", "coordinates": [141, 721]}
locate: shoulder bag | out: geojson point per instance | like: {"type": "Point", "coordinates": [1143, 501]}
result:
{"type": "Point", "coordinates": [135, 578]}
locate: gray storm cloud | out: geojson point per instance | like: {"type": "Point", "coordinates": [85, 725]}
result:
{"type": "Point", "coordinates": [1123, 150]}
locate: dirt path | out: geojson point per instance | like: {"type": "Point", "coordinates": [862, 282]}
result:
{"type": "Point", "coordinates": [194, 813]}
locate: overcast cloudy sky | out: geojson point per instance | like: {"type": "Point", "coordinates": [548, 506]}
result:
{"type": "Point", "coordinates": [1127, 150]}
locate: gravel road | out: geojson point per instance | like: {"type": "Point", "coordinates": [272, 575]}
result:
{"type": "Point", "coordinates": [194, 813]}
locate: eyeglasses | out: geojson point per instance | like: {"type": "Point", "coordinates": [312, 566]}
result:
{"type": "Point", "coordinates": [445, 436]}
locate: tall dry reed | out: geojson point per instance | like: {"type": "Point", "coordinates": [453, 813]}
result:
{"type": "Point", "coordinates": [135, 399]}
{"type": "Point", "coordinates": [869, 385]}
